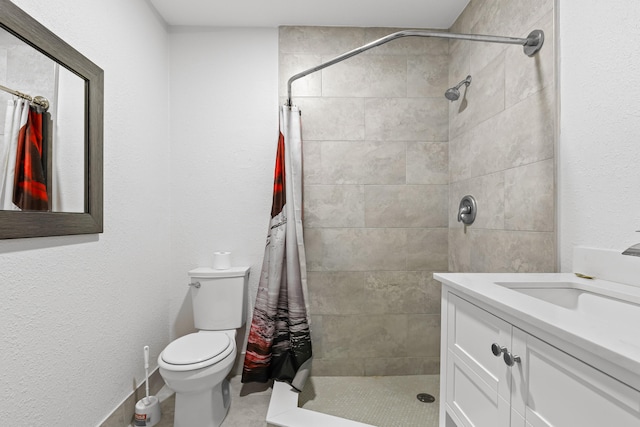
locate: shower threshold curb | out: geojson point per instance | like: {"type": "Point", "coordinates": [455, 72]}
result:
{"type": "Point", "coordinates": [284, 411]}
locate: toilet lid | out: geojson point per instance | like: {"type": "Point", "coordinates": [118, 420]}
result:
{"type": "Point", "coordinates": [195, 348]}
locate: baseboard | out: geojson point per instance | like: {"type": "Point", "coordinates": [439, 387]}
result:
{"type": "Point", "coordinates": [122, 416]}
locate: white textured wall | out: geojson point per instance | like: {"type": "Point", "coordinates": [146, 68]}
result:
{"type": "Point", "coordinates": [76, 311]}
{"type": "Point", "coordinates": [599, 150]}
{"type": "Point", "coordinates": [224, 128]}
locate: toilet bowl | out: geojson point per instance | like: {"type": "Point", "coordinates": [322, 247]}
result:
{"type": "Point", "coordinates": [196, 365]}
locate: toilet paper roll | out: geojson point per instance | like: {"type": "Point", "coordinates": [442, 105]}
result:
{"type": "Point", "coordinates": [222, 260]}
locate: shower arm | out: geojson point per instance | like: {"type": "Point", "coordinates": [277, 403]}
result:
{"type": "Point", "coordinates": [466, 81]}
{"type": "Point", "coordinates": [532, 44]}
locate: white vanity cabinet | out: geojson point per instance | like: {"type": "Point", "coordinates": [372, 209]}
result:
{"type": "Point", "coordinates": [544, 387]}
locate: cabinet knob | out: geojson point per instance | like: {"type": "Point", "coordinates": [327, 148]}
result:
{"type": "Point", "coordinates": [497, 349]}
{"type": "Point", "coordinates": [511, 359]}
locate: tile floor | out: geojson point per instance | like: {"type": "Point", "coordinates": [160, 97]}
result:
{"type": "Point", "coordinates": [249, 404]}
{"type": "Point", "coordinates": [381, 401]}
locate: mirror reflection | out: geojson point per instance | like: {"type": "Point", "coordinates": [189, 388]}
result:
{"type": "Point", "coordinates": [42, 147]}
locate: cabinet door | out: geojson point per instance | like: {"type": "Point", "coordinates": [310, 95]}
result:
{"type": "Point", "coordinates": [478, 383]}
{"type": "Point", "coordinates": [552, 388]}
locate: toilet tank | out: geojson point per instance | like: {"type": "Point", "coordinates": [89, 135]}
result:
{"type": "Point", "coordinates": [220, 302]}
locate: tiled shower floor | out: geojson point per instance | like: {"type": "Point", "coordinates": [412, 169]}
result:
{"type": "Point", "coordinates": [380, 401]}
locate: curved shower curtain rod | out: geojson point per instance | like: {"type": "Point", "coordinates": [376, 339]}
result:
{"type": "Point", "coordinates": [532, 44]}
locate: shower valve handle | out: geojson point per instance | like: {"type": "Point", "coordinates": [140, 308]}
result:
{"type": "Point", "coordinates": [464, 211]}
{"type": "Point", "coordinates": [467, 210]}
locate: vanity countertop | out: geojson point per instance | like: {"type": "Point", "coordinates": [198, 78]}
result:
{"type": "Point", "coordinates": [610, 343]}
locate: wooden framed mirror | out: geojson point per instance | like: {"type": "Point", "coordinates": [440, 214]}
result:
{"type": "Point", "coordinates": [85, 214]}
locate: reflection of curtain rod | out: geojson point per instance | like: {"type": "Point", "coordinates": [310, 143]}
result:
{"type": "Point", "coordinates": [38, 100]}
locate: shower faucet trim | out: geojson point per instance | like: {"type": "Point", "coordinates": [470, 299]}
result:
{"type": "Point", "coordinates": [467, 210]}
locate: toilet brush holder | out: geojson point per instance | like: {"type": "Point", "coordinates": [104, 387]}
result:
{"type": "Point", "coordinates": [147, 412]}
{"type": "Point", "coordinates": [148, 408]}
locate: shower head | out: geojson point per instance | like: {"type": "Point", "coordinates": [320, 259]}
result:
{"type": "Point", "coordinates": [453, 93]}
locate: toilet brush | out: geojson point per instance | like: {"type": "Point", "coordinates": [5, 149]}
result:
{"type": "Point", "coordinates": [148, 408]}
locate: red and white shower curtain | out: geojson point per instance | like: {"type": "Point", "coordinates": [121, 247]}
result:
{"type": "Point", "coordinates": [279, 344]}
{"type": "Point", "coordinates": [23, 183]}
{"type": "Point", "coordinates": [16, 119]}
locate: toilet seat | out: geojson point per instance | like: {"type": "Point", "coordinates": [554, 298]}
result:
{"type": "Point", "coordinates": [196, 350]}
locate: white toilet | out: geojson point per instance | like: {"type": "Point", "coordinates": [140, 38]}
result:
{"type": "Point", "coordinates": [195, 366]}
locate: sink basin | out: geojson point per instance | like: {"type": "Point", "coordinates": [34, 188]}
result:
{"type": "Point", "coordinates": [580, 298]}
{"type": "Point", "coordinates": [562, 294]}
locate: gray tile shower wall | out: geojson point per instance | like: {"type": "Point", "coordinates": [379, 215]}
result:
{"type": "Point", "coordinates": [386, 161]}
{"type": "Point", "coordinates": [502, 141]}
{"type": "Point", "coordinates": [375, 131]}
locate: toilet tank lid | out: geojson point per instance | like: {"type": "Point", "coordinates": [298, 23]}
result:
{"type": "Point", "coordinates": [205, 272]}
